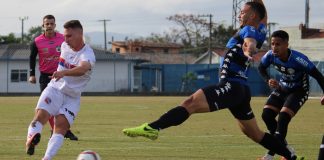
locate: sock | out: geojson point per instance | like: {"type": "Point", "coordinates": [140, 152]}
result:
{"type": "Point", "coordinates": [269, 118]}
{"type": "Point", "coordinates": [54, 144]}
{"type": "Point", "coordinates": [283, 121]}
{"type": "Point", "coordinates": [173, 117]}
{"type": "Point", "coordinates": [321, 150]}
{"type": "Point", "coordinates": [51, 122]}
{"type": "Point", "coordinates": [34, 127]}
{"type": "Point", "coordinates": [273, 144]}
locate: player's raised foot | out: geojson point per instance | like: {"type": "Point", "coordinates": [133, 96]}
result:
{"type": "Point", "coordinates": [70, 136]}
{"type": "Point", "coordinates": [266, 157]}
{"type": "Point", "coordinates": [144, 130]}
{"type": "Point", "coordinates": [31, 143]}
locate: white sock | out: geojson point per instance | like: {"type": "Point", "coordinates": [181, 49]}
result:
{"type": "Point", "coordinates": [54, 144]}
{"type": "Point", "coordinates": [34, 127]}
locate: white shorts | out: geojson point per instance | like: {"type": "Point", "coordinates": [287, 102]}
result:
{"type": "Point", "coordinates": [56, 103]}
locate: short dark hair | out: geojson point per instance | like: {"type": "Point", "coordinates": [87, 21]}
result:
{"type": "Point", "coordinates": [258, 8]}
{"type": "Point", "coordinates": [49, 16]}
{"type": "Point", "coordinates": [73, 24]}
{"type": "Point", "coordinates": [280, 34]}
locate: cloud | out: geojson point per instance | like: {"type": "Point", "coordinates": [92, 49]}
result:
{"type": "Point", "coordinates": [141, 16]}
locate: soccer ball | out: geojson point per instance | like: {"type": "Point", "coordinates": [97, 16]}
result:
{"type": "Point", "coordinates": [88, 155]}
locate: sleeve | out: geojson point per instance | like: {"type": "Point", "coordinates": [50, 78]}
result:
{"type": "Point", "coordinates": [89, 57]}
{"type": "Point", "coordinates": [263, 72]}
{"type": "Point", "coordinates": [263, 35]}
{"type": "Point", "coordinates": [315, 73]}
{"type": "Point", "coordinates": [310, 65]}
{"type": "Point", "coordinates": [32, 58]}
{"type": "Point", "coordinates": [247, 32]}
{"type": "Point", "coordinates": [264, 64]}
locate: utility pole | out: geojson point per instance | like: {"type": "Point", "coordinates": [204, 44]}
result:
{"type": "Point", "coordinates": [22, 27]}
{"type": "Point", "coordinates": [105, 34]}
{"type": "Point", "coordinates": [209, 39]}
{"type": "Point", "coordinates": [307, 14]}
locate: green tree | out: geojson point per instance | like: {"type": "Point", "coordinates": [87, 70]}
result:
{"type": "Point", "coordinates": [191, 28]}
{"type": "Point", "coordinates": [33, 32]}
{"type": "Point", "coordinates": [221, 34]}
{"type": "Point", "coordinates": [193, 33]}
{"type": "Point", "coordinates": [167, 37]}
{"type": "Point", "coordinates": [10, 38]}
{"type": "Point", "coordinates": [188, 82]}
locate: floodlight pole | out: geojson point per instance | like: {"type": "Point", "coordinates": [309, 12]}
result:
{"type": "Point", "coordinates": [22, 27]}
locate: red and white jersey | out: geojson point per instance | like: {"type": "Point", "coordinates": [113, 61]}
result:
{"type": "Point", "coordinates": [49, 50]}
{"type": "Point", "coordinates": [73, 85]}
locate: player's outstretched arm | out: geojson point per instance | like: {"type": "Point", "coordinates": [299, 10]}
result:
{"type": "Point", "coordinates": [76, 71]}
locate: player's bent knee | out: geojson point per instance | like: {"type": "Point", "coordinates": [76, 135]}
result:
{"type": "Point", "coordinates": [268, 114]}
{"type": "Point", "coordinates": [42, 116]}
{"type": "Point", "coordinates": [196, 103]}
{"type": "Point", "coordinates": [187, 102]}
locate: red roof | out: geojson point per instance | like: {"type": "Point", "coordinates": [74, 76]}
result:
{"type": "Point", "coordinates": [309, 33]}
{"type": "Point", "coordinates": [146, 44]}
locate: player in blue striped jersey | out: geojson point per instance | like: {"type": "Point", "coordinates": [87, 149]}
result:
{"type": "Point", "coordinates": [232, 92]}
{"type": "Point", "coordinates": [291, 91]}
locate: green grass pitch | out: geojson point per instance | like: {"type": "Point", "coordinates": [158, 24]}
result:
{"type": "Point", "coordinates": [209, 136]}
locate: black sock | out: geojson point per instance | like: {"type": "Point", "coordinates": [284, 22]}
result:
{"type": "Point", "coordinates": [269, 118]}
{"type": "Point", "coordinates": [273, 144]}
{"type": "Point", "coordinates": [283, 121]}
{"type": "Point", "coordinates": [173, 117]}
{"type": "Point", "coordinates": [321, 150]}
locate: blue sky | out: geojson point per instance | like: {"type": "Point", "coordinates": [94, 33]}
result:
{"type": "Point", "coordinates": [142, 17]}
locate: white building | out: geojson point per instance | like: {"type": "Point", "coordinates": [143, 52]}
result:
{"type": "Point", "coordinates": [309, 41]}
{"type": "Point", "coordinates": [112, 73]}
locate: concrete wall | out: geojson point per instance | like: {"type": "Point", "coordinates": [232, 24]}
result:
{"type": "Point", "coordinates": [108, 76]}
{"type": "Point", "coordinates": [9, 87]}
{"type": "Point", "coordinates": [312, 48]}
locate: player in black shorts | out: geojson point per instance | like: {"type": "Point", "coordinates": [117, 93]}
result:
{"type": "Point", "coordinates": [232, 92]}
{"type": "Point", "coordinates": [291, 91]}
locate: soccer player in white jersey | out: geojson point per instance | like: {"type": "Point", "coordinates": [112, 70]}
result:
{"type": "Point", "coordinates": [61, 98]}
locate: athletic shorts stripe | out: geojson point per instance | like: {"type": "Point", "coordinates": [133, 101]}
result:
{"type": "Point", "coordinates": [293, 100]}
{"type": "Point", "coordinates": [232, 95]}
